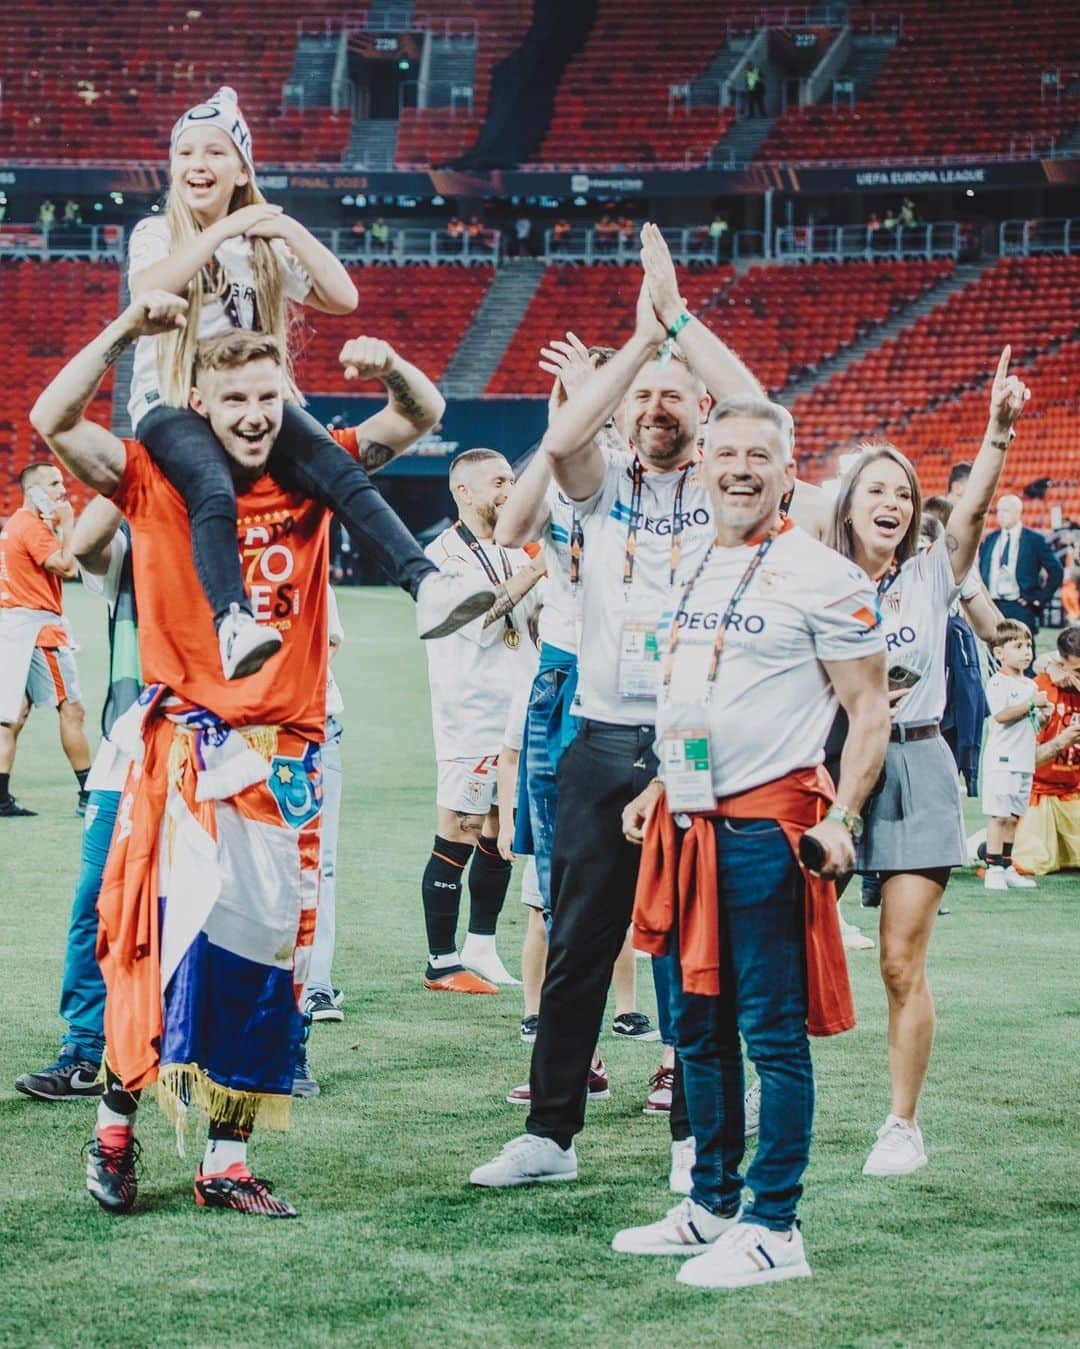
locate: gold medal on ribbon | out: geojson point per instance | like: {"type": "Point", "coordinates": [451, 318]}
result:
{"type": "Point", "coordinates": [512, 638]}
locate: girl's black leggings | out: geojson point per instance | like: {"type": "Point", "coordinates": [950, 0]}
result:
{"type": "Point", "coordinates": [305, 459]}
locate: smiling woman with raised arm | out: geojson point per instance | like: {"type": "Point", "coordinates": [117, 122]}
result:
{"type": "Point", "coordinates": [914, 828]}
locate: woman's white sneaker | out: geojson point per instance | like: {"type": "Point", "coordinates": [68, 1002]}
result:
{"type": "Point", "coordinates": [1015, 881]}
{"type": "Point", "coordinates": [687, 1229]}
{"type": "Point", "coordinates": [527, 1160]}
{"type": "Point", "coordinates": [748, 1254]}
{"type": "Point", "coordinates": [683, 1156]}
{"type": "Point", "coordinates": [898, 1150]}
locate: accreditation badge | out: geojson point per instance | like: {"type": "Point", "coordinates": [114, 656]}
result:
{"type": "Point", "coordinates": [686, 767]}
{"type": "Point", "coordinates": [639, 661]}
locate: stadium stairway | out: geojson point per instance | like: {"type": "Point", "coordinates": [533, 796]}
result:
{"type": "Point", "coordinates": [867, 56]}
{"type": "Point", "coordinates": [371, 144]}
{"type": "Point", "coordinates": [961, 276]}
{"type": "Point", "coordinates": [313, 68]}
{"type": "Point", "coordinates": [493, 326]}
{"type": "Point", "coordinates": [452, 64]}
{"type": "Point", "coordinates": [742, 141]}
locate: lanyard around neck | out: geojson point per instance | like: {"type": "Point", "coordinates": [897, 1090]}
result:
{"type": "Point", "coordinates": [638, 474]}
{"type": "Point", "coordinates": [481, 556]}
{"type": "Point", "coordinates": [729, 613]}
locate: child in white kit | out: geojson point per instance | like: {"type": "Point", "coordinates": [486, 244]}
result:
{"type": "Point", "coordinates": [1017, 709]}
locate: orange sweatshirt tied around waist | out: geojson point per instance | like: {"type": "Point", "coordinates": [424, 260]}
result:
{"type": "Point", "coordinates": [677, 894]}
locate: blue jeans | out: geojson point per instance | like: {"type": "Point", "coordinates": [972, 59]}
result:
{"type": "Point", "coordinates": [82, 994]}
{"type": "Point", "coordinates": [662, 972]}
{"type": "Point", "coordinates": [540, 768]}
{"type": "Point", "coordinates": [320, 978]}
{"type": "Point", "coordinates": [763, 996]}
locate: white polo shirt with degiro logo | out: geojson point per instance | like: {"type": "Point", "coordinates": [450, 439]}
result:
{"type": "Point", "coordinates": [770, 708]}
{"type": "Point", "coordinates": [634, 562]}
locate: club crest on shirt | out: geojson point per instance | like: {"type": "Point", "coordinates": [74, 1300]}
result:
{"type": "Point", "coordinates": [296, 786]}
{"type": "Point", "coordinates": [769, 579]}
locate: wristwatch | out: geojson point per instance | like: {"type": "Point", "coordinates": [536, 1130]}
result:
{"type": "Point", "coordinates": [850, 819]}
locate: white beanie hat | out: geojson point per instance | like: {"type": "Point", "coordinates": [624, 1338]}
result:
{"type": "Point", "coordinates": [223, 112]}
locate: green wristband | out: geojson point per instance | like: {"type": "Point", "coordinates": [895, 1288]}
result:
{"type": "Point", "coordinates": [679, 324]}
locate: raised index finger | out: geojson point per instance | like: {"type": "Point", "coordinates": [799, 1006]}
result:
{"type": "Point", "coordinates": [1003, 364]}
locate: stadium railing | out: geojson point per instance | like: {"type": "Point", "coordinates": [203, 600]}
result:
{"type": "Point", "coordinates": [96, 242]}
{"type": "Point", "coordinates": [840, 243]}
{"type": "Point", "coordinates": [690, 245]}
{"type": "Point", "coordinates": [104, 242]}
{"type": "Point", "coordinates": [1023, 238]}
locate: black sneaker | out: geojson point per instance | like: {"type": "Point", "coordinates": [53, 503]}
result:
{"type": "Point", "coordinates": [528, 1028]}
{"type": "Point", "coordinates": [238, 1189]}
{"type": "Point", "coordinates": [11, 809]}
{"type": "Point", "coordinates": [304, 1083]}
{"type": "Point", "coordinates": [634, 1026]}
{"type": "Point", "coordinates": [81, 804]}
{"type": "Point", "coordinates": [320, 1007]}
{"type": "Point", "coordinates": [112, 1168]}
{"type": "Point", "coordinates": [68, 1079]}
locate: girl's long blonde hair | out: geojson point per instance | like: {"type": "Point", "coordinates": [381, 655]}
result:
{"type": "Point", "coordinates": [176, 349]}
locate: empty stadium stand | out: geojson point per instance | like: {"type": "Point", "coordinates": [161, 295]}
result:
{"type": "Point", "coordinates": [781, 320]}
{"type": "Point", "coordinates": [934, 96]}
{"type": "Point", "coordinates": [53, 308]}
{"type": "Point", "coordinates": [110, 89]}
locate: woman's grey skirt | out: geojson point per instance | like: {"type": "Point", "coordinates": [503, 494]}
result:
{"type": "Point", "coordinates": [915, 822]}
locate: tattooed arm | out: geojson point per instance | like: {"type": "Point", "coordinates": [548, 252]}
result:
{"type": "Point", "coordinates": [91, 452]}
{"type": "Point", "coordinates": [414, 406]}
{"type": "Point", "coordinates": [515, 589]}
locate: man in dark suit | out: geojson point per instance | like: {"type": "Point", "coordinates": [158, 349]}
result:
{"type": "Point", "coordinates": [1018, 566]}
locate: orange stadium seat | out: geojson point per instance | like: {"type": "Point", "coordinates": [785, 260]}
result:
{"type": "Point", "coordinates": [965, 80]}
{"type": "Point", "coordinates": [421, 311]}
{"type": "Point", "coordinates": [50, 309]}
{"type": "Point", "coordinates": [927, 388]}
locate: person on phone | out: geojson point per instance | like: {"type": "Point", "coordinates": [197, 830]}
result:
{"type": "Point", "coordinates": [914, 830]}
{"type": "Point", "coordinates": [37, 658]}
{"type": "Point", "coordinates": [1048, 836]}
{"type": "Point", "coordinates": [771, 632]}
{"type": "Point", "coordinates": [239, 261]}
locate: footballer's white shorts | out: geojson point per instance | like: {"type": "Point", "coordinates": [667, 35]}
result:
{"type": "Point", "coordinates": [530, 886]}
{"type": "Point", "coordinates": [1006, 793]}
{"type": "Point", "coordinates": [468, 786]}
{"type": "Point", "coordinates": [53, 677]}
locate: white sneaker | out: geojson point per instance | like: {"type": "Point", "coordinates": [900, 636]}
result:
{"type": "Point", "coordinates": [853, 938]}
{"type": "Point", "coordinates": [1015, 881]}
{"type": "Point", "coordinates": [996, 878]}
{"type": "Point", "coordinates": [752, 1109]}
{"type": "Point", "coordinates": [898, 1150]}
{"type": "Point", "coordinates": [479, 955]}
{"type": "Point", "coordinates": [687, 1229]}
{"type": "Point", "coordinates": [683, 1156]}
{"type": "Point", "coordinates": [747, 1254]}
{"type": "Point", "coordinates": [245, 645]}
{"type": "Point", "coordinates": [447, 600]}
{"type": "Point", "coordinates": [527, 1160]}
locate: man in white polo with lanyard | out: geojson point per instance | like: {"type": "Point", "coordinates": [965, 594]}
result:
{"type": "Point", "coordinates": [646, 523]}
{"type": "Point", "coordinates": [771, 631]}
{"type": "Point", "coordinates": [473, 674]}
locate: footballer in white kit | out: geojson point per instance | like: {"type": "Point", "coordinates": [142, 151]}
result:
{"type": "Point", "coordinates": [473, 675]}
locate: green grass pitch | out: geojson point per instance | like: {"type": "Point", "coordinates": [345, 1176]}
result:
{"type": "Point", "coordinates": [392, 1247]}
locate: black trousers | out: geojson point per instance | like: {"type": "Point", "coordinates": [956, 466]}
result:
{"type": "Point", "coordinates": [305, 459]}
{"type": "Point", "coordinates": [593, 875]}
